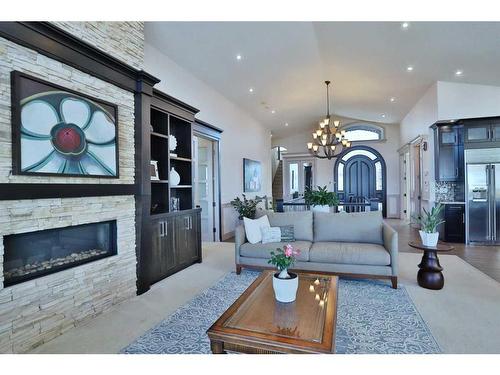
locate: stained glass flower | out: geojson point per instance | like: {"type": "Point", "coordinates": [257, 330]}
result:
{"type": "Point", "coordinates": [67, 134]}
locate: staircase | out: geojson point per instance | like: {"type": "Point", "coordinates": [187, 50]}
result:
{"type": "Point", "coordinates": [278, 181]}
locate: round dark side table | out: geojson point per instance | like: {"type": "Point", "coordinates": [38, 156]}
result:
{"type": "Point", "coordinates": [429, 275]}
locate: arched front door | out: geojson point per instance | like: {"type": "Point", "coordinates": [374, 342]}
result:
{"type": "Point", "coordinates": [360, 172]}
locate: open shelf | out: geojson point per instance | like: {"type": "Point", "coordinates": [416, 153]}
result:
{"type": "Point", "coordinates": [181, 130]}
{"type": "Point", "coordinates": [180, 159]}
{"type": "Point", "coordinates": [181, 187]}
{"type": "Point", "coordinates": [159, 181]}
{"type": "Point", "coordinates": [154, 134]}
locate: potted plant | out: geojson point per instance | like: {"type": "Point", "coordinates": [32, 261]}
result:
{"type": "Point", "coordinates": [285, 284]}
{"type": "Point", "coordinates": [321, 199]}
{"type": "Point", "coordinates": [429, 222]}
{"type": "Point", "coordinates": [246, 207]}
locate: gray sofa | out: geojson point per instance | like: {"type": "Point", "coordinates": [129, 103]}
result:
{"type": "Point", "coordinates": [352, 244]}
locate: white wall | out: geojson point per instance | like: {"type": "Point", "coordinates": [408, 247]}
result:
{"type": "Point", "coordinates": [420, 117]}
{"type": "Point", "coordinates": [461, 101]}
{"type": "Point", "coordinates": [243, 136]}
{"type": "Point", "coordinates": [296, 143]}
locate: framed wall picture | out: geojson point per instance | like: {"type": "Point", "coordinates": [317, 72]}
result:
{"type": "Point", "coordinates": [154, 170]}
{"type": "Point", "coordinates": [60, 132]}
{"type": "Point", "coordinates": [252, 176]}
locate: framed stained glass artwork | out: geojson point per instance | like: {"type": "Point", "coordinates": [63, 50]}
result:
{"type": "Point", "coordinates": [60, 132]}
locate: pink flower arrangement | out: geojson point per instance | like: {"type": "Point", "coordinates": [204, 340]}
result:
{"type": "Point", "coordinates": [284, 258]}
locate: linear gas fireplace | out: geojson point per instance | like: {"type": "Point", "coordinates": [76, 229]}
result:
{"type": "Point", "coordinates": [31, 255]}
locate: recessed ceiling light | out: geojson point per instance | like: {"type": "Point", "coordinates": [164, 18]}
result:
{"type": "Point", "coordinates": [459, 72]}
{"type": "Point", "coordinates": [250, 89]}
{"type": "Point", "coordinates": [286, 123]}
{"type": "Point", "coordinates": [239, 57]}
{"type": "Point", "coordinates": [405, 25]}
{"type": "Point", "coordinates": [392, 99]}
{"type": "Point", "coordinates": [383, 115]}
{"type": "Point", "coordinates": [271, 134]}
{"type": "Point", "coordinates": [273, 111]}
{"type": "Point", "coordinates": [409, 68]}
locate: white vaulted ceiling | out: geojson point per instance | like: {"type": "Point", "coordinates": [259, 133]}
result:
{"type": "Point", "coordinates": [286, 63]}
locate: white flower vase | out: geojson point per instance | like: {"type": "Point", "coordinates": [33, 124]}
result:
{"type": "Point", "coordinates": [175, 178]}
{"type": "Point", "coordinates": [285, 286]}
{"type": "Point", "coordinates": [429, 239]}
{"type": "Point", "coordinates": [322, 208]}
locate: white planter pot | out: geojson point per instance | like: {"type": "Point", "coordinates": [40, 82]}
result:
{"type": "Point", "coordinates": [429, 239]}
{"type": "Point", "coordinates": [321, 208]}
{"type": "Point", "coordinates": [285, 290]}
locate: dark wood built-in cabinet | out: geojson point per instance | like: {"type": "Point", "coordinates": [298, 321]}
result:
{"type": "Point", "coordinates": [170, 239]}
{"type": "Point", "coordinates": [449, 153]}
{"type": "Point", "coordinates": [454, 227]}
{"type": "Point", "coordinates": [176, 243]}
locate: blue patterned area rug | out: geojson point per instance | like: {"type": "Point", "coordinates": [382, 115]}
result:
{"type": "Point", "coordinates": [372, 318]}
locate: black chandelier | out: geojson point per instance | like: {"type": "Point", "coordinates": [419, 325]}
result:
{"type": "Point", "coordinates": [329, 138]}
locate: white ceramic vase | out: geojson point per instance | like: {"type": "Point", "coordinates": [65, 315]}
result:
{"type": "Point", "coordinates": [429, 239]}
{"type": "Point", "coordinates": [322, 208]}
{"type": "Point", "coordinates": [174, 178]}
{"type": "Point", "coordinates": [285, 289]}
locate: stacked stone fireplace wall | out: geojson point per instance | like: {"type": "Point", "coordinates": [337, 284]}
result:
{"type": "Point", "coordinates": [38, 310]}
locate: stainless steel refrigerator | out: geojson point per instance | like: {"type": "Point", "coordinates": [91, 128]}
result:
{"type": "Point", "coordinates": [483, 196]}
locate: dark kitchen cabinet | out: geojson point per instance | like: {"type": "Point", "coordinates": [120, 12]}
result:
{"type": "Point", "coordinates": [482, 133]}
{"type": "Point", "coordinates": [176, 243]}
{"type": "Point", "coordinates": [454, 226]}
{"type": "Point", "coordinates": [449, 151]}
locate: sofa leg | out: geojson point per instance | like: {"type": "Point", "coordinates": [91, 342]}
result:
{"type": "Point", "coordinates": [394, 281]}
{"type": "Point", "coordinates": [238, 269]}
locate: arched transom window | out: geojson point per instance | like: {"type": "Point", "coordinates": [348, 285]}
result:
{"type": "Point", "coordinates": [359, 132]}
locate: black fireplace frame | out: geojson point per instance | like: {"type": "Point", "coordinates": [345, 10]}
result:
{"type": "Point", "coordinates": [113, 252]}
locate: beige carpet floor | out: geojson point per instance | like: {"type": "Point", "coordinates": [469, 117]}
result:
{"type": "Point", "coordinates": [464, 316]}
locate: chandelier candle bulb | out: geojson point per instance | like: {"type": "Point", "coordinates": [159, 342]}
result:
{"type": "Point", "coordinates": [309, 145]}
{"type": "Point", "coordinates": [317, 297]}
{"type": "Point", "coordinates": [311, 288]}
{"type": "Point", "coordinates": [315, 148]}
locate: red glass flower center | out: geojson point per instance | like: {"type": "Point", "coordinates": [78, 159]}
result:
{"type": "Point", "coordinates": [67, 139]}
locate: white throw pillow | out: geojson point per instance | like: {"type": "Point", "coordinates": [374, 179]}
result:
{"type": "Point", "coordinates": [253, 228]}
{"type": "Point", "coordinates": [271, 234]}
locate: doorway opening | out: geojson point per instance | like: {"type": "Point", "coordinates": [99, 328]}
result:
{"type": "Point", "coordinates": [206, 185]}
{"type": "Point", "coordinates": [298, 177]}
{"type": "Point", "coordinates": [360, 172]}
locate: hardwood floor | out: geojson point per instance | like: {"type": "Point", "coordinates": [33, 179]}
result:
{"type": "Point", "coordinates": [484, 258]}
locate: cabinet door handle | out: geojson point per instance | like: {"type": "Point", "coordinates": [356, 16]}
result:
{"type": "Point", "coordinates": [456, 172]}
{"type": "Point", "coordinates": [463, 218]}
{"type": "Point", "coordinates": [186, 223]}
{"type": "Point", "coordinates": [161, 228]}
{"type": "Point", "coordinates": [165, 229]}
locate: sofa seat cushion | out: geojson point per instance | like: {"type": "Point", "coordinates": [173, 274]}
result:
{"type": "Point", "coordinates": [262, 250]}
{"type": "Point", "coordinates": [349, 253]}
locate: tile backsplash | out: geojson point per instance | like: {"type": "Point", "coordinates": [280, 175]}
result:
{"type": "Point", "coordinates": [449, 192]}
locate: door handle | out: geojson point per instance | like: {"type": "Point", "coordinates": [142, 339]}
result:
{"type": "Point", "coordinates": [165, 229]}
{"type": "Point", "coordinates": [161, 228]}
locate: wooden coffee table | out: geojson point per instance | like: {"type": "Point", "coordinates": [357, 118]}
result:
{"type": "Point", "coordinates": [257, 323]}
